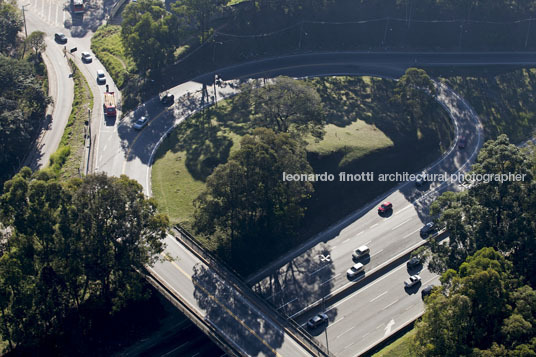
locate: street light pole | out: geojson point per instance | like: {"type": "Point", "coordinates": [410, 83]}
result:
{"type": "Point", "coordinates": [25, 30]}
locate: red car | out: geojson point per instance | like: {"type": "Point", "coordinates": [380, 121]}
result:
{"type": "Point", "coordinates": [385, 207]}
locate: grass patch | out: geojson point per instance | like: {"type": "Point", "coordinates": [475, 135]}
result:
{"type": "Point", "coordinates": [505, 102]}
{"type": "Point", "coordinates": [364, 132]}
{"type": "Point", "coordinates": [67, 160]}
{"type": "Point", "coordinates": [398, 348]}
{"type": "Point", "coordinates": [108, 47]}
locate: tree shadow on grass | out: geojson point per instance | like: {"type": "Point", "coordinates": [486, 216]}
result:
{"type": "Point", "coordinates": [236, 319]}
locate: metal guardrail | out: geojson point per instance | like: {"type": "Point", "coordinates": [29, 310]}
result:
{"type": "Point", "coordinates": [289, 325]}
{"type": "Point", "coordinates": [192, 314]}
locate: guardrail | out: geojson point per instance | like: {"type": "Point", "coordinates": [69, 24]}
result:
{"type": "Point", "coordinates": [232, 277]}
{"type": "Point", "coordinates": [191, 313]}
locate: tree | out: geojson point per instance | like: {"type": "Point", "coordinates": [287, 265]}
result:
{"type": "Point", "coordinates": [246, 204]}
{"type": "Point", "coordinates": [285, 105]}
{"type": "Point", "coordinates": [146, 36]}
{"type": "Point", "coordinates": [494, 213]}
{"type": "Point", "coordinates": [36, 40]}
{"type": "Point", "coordinates": [415, 92]}
{"type": "Point", "coordinates": [73, 247]}
{"type": "Point", "coordinates": [198, 13]}
{"type": "Point", "coordinates": [10, 25]}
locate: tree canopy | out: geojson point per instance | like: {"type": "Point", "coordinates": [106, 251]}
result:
{"type": "Point", "coordinates": [247, 207]}
{"type": "Point", "coordinates": [10, 25]}
{"type": "Point", "coordinates": [69, 248]}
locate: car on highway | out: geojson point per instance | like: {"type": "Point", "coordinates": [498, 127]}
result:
{"type": "Point", "coordinates": [167, 99]}
{"type": "Point", "coordinates": [317, 320]}
{"type": "Point", "coordinates": [86, 57]}
{"type": "Point", "coordinates": [414, 262]}
{"type": "Point", "coordinates": [355, 270]}
{"type": "Point", "coordinates": [360, 252]}
{"type": "Point", "coordinates": [427, 291]}
{"type": "Point", "coordinates": [385, 207]}
{"type": "Point", "coordinates": [101, 77]}
{"type": "Point", "coordinates": [140, 123]}
{"type": "Point", "coordinates": [462, 141]}
{"type": "Point", "coordinates": [60, 38]}
{"type": "Point", "coordinates": [412, 281]}
{"type": "Point", "coordinates": [428, 229]}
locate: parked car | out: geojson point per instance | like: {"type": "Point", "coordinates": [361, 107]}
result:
{"type": "Point", "coordinates": [462, 141]}
{"type": "Point", "coordinates": [361, 252]}
{"type": "Point", "coordinates": [167, 99]}
{"type": "Point", "coordinates": [101, 77]}
{"type": "Point", "coordinates": [317, 320]}
{"type": "Point", "coordinates": [427, 291]}
{"type": "Point", "coordinates": [412, 281]}
{"type": "Point", "coordinates": [355, 270]}
{"type": "Point", "coordinates": [141, 122]}
{"type": "Point", "coordinates": [428, 229]}
{"type": "Point", "coordinates": [60, 38]}
{"type": "Point", "coordinates": [86, 57]}
{"type": "Point", "coordinates": [385, 207]}
{"type": "Point", "coordinates": [414, 262]}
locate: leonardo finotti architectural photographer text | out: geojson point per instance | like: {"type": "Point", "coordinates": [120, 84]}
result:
{"type": "Point", "coordinates": [402, 177]}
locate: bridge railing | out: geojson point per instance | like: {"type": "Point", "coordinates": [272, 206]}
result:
{"type": "Point", "coordinates": [290, 326]}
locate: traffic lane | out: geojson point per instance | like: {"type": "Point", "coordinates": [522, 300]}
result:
{"type": "Point", "coordinates": [349, 62]}
{"type": "Point", "coordinates": [364, 317]}
{"type": "Point", "coordinates": [223, 306]}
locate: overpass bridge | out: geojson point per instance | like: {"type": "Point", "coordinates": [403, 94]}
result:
{"type": "Point", "coordinates": [222, 306]}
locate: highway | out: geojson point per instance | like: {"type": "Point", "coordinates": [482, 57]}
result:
{"type": "Point", "coordinates": [316, 269]}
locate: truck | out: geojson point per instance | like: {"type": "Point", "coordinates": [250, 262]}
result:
{"type": "Point", "coordinates": [78, 6]}
{"type": "Point", "coordinates": [109, 104]}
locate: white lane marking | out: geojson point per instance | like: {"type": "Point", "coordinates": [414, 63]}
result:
{"type": "Point", "coordinates": [366, 287]}
{"type": "Point", "coordinates": [405, 208]}
{"type": "Point", "coordinates": [350, 329]}
{"type": "Point", "coordinates": [379, 296]}
{"type": "Point", "coordinates": [374, 225]}
{"type": "Point", "coordinates": [368, 242]}
{"type": "Point", "coordinates": [346, 240]}
{"type": "Point", "coordinates": [391, 304]}
{"type": "Point", "coordinates": [376, 253]}
{"type": "Point", "coordinates": [407, 235]}
{"type": "Point", "coordinates": [337, 321]}
{"type": "Point", "coordinates": [407, 220]}
{"type": "Point", "coordinates": [388, 327]}
{"type": "Point", "coordinates": [317, 270]}
{"type": "Point", "coordinates": [330, 279]}
{"type": "Point", "coordinates": [287, 303]}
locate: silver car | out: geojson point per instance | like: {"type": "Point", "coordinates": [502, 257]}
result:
{"type": "Point", "coordinates": [412, 281]}
{"type": "Point", "coordinates": [355, 270]}
{"type": "Point", "coordinates": [140, 123]}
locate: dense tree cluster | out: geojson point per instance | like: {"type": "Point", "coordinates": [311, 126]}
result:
{"type": "Point", "coordinates": [486, 305]}
{"type": "Point", "coordinates": [247, 207]}
{"type": "Point", "coordinates": [10, 25]}
{"type": "Point", "coordinates": [480, 310]}
{"type": "Point", "coordinates": [68, 248]}
{"type": "Point", "coordinates": [22, 107]}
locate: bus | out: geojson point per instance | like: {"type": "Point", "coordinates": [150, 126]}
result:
{"type": "Point", "coordinates": [78, 6]}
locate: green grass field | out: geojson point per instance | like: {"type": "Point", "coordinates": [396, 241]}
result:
{"type": "Point", "coordinates": [362, 133]}
{"type": "Point", "coordinates": [67, 160]}
{"type": "Point", "coordinates": [107, 46]}
{"type": "Point", "coordinates": [398, 348]}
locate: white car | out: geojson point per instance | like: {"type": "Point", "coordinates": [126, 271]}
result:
{"type": "Point", "coordinates": [353, 271]}
{"type": "Point", "coordinates": [101, 77]}
{"type": "Point", "coordinates": [412, 281]}
{"type": "Point", "coordinates": [86, 57]}
{"type": "Point", "coordinates": [141, 122]}
{"type": "Point", "coordinates": [360, 252]}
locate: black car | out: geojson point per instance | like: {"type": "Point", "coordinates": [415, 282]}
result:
{"type": "Point", "coordinates": [167, 99]}
{"type": "Point", "coordinates": [317, 320]}
{"type": "Point", "coordinates": [427, 291]}
{"type": "Point", "coordinates": [428, 229]}
{"type": "Point", "coordinates": [60, 37]}
{"type": "Point", "coordinates": [414, 262]}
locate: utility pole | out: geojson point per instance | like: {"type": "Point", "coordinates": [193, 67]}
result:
{"type": "Point", "coordinates": [215, 94]}
{"type": "Point", "coordinates": [25, 30]}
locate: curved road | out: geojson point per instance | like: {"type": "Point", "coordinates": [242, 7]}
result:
{"type": "Point", "coordinates": [131, 152]}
